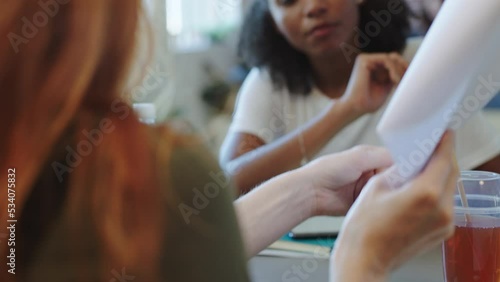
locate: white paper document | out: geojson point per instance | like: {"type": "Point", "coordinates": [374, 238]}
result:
{"type": "Point", "coordinates": [454, 74]}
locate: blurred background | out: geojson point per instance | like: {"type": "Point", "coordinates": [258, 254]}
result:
{"type": "Point", "coordinates": [195, 74]}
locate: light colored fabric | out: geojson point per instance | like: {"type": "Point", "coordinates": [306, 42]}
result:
{"type": "Point", "coordinates": [424, 10]}
{"type": "Point", "coordinates": [268, 113]}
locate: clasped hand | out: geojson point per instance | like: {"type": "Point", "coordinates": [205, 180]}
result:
{"type": "Point", "coordinates": [372, 79]}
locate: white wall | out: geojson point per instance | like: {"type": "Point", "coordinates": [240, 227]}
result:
{"type": "Point", "coordinates": [186, 77]}
{"type": "Point", "coordinates": [190, 78]}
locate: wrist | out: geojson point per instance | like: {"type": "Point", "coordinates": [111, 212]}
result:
{"type": "Point", "coordinates": [355, 262]}
{"type": "Point", "coordinates": [347, 109]}
{"type": "Point", "coordinates": [300, 189]}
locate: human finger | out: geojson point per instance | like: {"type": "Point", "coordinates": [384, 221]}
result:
{"type": "Point", "coordinates": [368, 158]}
{"type": "Point", "coordinates": [440, 170]}
{"type": "Point", "coordinates": [400, 62]}
{"type": "Point", "coordinates": [453, 177]}
{"type": "Point", "coordinates": [384, 61]}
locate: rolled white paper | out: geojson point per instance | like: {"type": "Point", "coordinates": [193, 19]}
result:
{"type": "Point", "coordinates": [456, 69]}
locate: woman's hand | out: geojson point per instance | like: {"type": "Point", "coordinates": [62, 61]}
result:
{"type": "Point", "coordinates": [326, 186]}
{"type": "Point", "coordinates": [386, 227]}
{"type": "Point", "coordinates": [337, 179]}
{"type": "Point", "coordinates": [372, 79]}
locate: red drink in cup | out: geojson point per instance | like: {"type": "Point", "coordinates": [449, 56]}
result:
{"type": "Point", "coordinates": [473, 253]}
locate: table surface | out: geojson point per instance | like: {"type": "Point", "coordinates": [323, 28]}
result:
{"type": "Point", "coordinates": [425, 268]}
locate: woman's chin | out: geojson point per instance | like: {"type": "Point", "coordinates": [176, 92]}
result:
{"type": "Point", "coordinates": [325, 50]}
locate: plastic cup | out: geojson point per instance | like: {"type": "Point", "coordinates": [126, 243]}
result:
{"type": "Point", "coordinates": [473, 253]}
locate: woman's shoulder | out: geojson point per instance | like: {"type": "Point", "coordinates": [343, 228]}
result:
{"type": "Point", "coordinates": [258, 77]}
{"type": "Point", "coordinates": [259, 87]}
{"type": "Point", "coordinates": [176, 146]}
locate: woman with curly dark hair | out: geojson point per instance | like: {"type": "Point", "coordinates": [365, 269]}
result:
{"type": "Point", "coordinates": [322, 74]}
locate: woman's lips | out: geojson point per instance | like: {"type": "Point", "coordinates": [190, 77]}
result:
{"type": "Point", "coordinates": [323, 30]}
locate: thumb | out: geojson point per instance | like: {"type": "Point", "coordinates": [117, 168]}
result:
{"type": "Point", "coordinates": [368, 158]}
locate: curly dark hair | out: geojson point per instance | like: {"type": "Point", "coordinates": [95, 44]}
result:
{"type": "Point", "coordinates": [261, 45]}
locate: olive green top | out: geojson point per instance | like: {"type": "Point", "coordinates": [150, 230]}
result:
{"type": "Point", "coordinates": [202, 243]}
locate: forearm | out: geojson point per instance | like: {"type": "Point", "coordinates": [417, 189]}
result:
{"type": "Point", "coordinates": [286, 153]}
{"type": "Point", "coordinates": [272, 209]}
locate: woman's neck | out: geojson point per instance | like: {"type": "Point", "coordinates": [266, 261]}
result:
{"type": "Point", "coordinates": [331, 73]}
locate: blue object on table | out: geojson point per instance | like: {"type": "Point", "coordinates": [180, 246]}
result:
{"type": "Point", "coordinates": [323, 241]}
{"type": "Point", "coordinates": [495, 103]}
